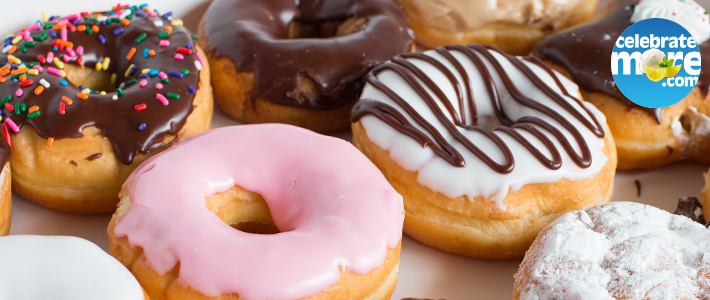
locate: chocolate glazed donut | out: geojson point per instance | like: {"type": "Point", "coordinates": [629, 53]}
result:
{"type": "Point", "coordinates": [80, 143]}
{"type": "Point", "coordinates": [298, 62]}
{"type": "Point", "coordinates": [645, 137]}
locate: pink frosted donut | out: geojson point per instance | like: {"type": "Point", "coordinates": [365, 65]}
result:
{"type": "Point", "coordinates": [339, 220]}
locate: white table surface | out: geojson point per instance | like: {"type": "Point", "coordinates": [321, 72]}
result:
{"type": "Point", "coordinates": [424, 272]}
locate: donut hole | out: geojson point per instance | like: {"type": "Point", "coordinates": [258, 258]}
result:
{"type": "Point", "coordinates": [90, 78]}
{"type": "Point", "coordinates": [302, 29]}
{"type": "Point", "coordinates": [242, 210]}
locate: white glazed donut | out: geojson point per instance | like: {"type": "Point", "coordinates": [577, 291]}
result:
{"type": "Point", "coordinates": [486, 148]}
{"type": "Point", "coordinates": [62, 268]}
{"type": "Point", "coordinates": [619, 250]}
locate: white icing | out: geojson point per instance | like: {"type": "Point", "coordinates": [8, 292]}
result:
{"type": "Point", "coordinates": [476, 178]}
{"type": "Point", "coordinates": [619, 250]}
{"type": "Point", "coordinates": [687, 13]}
{"type": "Point", "coordinates": [700, 127]}
{"type": "Point", "coordinates": [62, 268]}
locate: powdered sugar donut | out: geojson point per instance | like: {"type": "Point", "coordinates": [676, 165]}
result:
{"type": "Point", "coordinates": [619, 250]}
{"type": "Point", "coordinates": [338, 222]}
{"type": "Point", "coordinates": [486, 148]}
{"type": "Point", "coordinates": [62, 268]}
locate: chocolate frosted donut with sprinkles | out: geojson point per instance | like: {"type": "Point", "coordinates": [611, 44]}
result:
{"type": "Point", "coordinates": [486, 148]}
{"type": "Point", "coordinates": [298, 62]}
{"type": "Point", "coordinates": [99, 93]}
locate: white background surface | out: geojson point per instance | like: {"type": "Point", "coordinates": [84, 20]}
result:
{"type": "Point", "coordinates": [424, 272]}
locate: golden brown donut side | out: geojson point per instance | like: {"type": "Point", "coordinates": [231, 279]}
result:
{"type": "Point", "coordinates": [236, 206]}
{"type": "Point", "coordinates": [517, 39]}
{"type": "Point", "coordinates": [61, 177]}
{"type": "Point", "coordinates": [6, 202]}
{"type": "Point", "coordinates": [643, 143]}
{"type": "Point", "coordinates": [477, 228]}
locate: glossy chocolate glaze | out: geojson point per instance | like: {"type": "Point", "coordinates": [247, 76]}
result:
{"type": "Point", "coordinates": [585, 52]}
{"type": "Point", "coordinates": [433, 139]}
{"type": "Point", "coordinates": [117, 118]}
{"type": "Point", "coordinates": [255, 35]}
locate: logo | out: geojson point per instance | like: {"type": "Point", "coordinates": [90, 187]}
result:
{"type": "Point", "coordinates": [655, 63]}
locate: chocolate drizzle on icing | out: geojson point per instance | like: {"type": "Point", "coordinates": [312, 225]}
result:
{"type": "Point", "coordinates": [255, 35]}
{"type": "Point", "coordinates": [585, 52]}
{"type": "Point", "coordinates": [117, 118]}
{"type": "Point", "coordinates": [421, 83]}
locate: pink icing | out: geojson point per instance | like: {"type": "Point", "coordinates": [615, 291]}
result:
{"type": "Point", "coordinates": [334, 209]}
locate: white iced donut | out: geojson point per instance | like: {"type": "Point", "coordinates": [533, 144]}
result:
{"type": "Point", "coordinates": [619, 250]}
{"type": "Point", "coordinates": [62, 268]}
{"type": "Point", "coordinates": [486, 148]}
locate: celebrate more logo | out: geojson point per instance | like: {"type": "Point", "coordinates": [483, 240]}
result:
{"type": "Point", "coordinates": [655, 63]}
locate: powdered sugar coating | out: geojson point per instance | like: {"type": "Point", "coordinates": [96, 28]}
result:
{"type": "Point", "coordinates": [618, 250]}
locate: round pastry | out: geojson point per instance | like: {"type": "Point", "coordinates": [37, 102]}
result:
{"type": "Point", "coordinates": [314, 219]}
{"type": "Point", "coordinates": [513, 26]}
{"type": "Point", "coordinates": [482, 167]}
{"type": "Point", "coordinates": [705, 196]}
{"type": "Point", "coordinates": [100, 93]}
{"type": "Point", "coordinates": [645, 137]}
{"type": "Point", "coordinates": [298, 62]}
{"type": "Point", "coordinates": [619, 250]}
{"type": "Point", "coordinates": [62, 268]}
{"type": "Point", "coordinates": [5, 190]}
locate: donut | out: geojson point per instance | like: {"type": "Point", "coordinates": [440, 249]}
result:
{"type": "Point", "coordinates": [298, 62]}
{"type": "Point", "coordinates": [482, 167]}
{"type": "Point", "coordinates": [5, 190]}
{"type": "Point", "coordinates": [62, 268]}
{"type": "Point", "coordinates": [100, 93]}
{"type": "Point", "coordinates": [618, 250]}
{"type": "Point", "coordinates": [312, 218]}
{"type": "Point", "coordinates": [645, 137]}
{"type": "Point", "coordinates": [705, 196]}
{"type": "Point", "coordinates": [513, 26]}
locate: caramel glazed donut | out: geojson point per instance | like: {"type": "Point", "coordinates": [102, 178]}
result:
{"type": "Point", "coordinates": [482, 167]}
{"type": "Point", "coordinates": [307, 229]}
{"type": "Point", "coordinates": [145, 86]}
{"type": "Point", "coordinates": [62, 268]}
{"type": "Point", "coordinates": [513, 26]}
{"type": "Point", "coordinates": [298, 62]}
{"type": "Point", "coordinates": [618, 250]}
{"type": "Point", "coordinates": [645, 137]}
